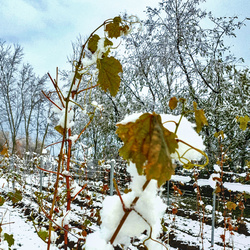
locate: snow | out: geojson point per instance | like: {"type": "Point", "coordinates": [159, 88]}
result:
{"type": "Point", "coordinates": [70, 123]}
{"type": "Point", "coordinates": [237, 187]}
{"type": "Point", "coordinates": [181, 178]}
{"type": "Point", "coordinates": [187, 134]}
{"type": "Point", "coordinates": [96, 242]}
{"type": "Point", "coordinates": [209, 208]}
{"type": "Point", "coordinates": [98, 106]}
{"type": "Point", "coordinates": [147, 211]}
{"type": "Point", "coordinates": [130, 118]}
{"type": "Point", "coordinates": [217, 168]}
{"type": "Point", "coordinates": [66, 173]}
{"type": "Point", "coordinates": [73, 138]}
{"type": "Point", "coordinates": [208, 182]}
{"type": "Point", "coordinates": [86, 61]}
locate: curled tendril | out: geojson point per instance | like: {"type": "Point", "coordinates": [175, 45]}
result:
{"type": "Point", "coordinates": [189, 164]}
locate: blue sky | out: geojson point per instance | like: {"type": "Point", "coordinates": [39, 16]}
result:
{"type": "Point", "coordinates": [46, 28]}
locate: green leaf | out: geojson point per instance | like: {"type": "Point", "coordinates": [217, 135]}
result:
{"type": "Point", "coordinates": [9, 238]}
{"type": "Point", "coordinates": [148, 144]}
{"type": "Point", "coordinates": [93, 42]}
{"type": "Point", "coordinates": [108, 77]}
{"type": "Point", "coordinates": [15, 197]}
{"type": "Point", "coordinates": [243, 121]}
{"type": "Point", "coordinates": [200, 118]}
{"type": "Point", "coordinates": [43, 235]}
{"type": "Point", "coordinates": [2, 200]}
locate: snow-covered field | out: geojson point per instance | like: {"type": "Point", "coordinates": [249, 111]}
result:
{"type": "Point", "coordinates": [182, 232]}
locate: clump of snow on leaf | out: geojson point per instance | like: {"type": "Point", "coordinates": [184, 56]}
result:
{"type": "Point", "coordinates": [101, 49]}
{"type": "Point", "coordinates": [185, 133]}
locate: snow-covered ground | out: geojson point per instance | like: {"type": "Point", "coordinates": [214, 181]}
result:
{"type": "Point", "coordinates": [182, 229]}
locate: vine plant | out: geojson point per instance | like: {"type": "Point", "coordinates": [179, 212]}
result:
{"type": "Point", "coordinates": [108, 79]}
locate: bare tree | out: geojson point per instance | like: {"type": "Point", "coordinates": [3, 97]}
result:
{"type": "Point", "coordinates": [11, 106]}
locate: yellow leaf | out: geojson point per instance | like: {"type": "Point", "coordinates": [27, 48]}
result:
{"type": "Point", "coordinates": [149, 145]}
{"type": "Point", "coordinates": [243, 122]}
{"type": "Point", "coordinates": [231, 205]}
{"type": "Point", "coordinates": [200, 118]}
{"type": "Point", "coordinates": [114, 29]}
{"type": "Point", "coordinates": [93, 42]}
{"type": "Point", "coordinates": [108, 77]}
{"type": "Point", "coordinates": [219, 134]}
{"type": "Point", "coordinates": [59, 129]}
{"type": "Point", "coordinates": [173, 103]}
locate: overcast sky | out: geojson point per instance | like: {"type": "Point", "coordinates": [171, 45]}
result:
{"type": "Point", "coordinates": [46, 28]}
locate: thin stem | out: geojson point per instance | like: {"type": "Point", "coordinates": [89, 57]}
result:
{"type": "Point", "coordinates": [51, 100]}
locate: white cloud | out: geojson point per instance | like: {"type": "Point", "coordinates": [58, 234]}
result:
{"type": "Point", "coordinates": [17, 17]}
{"type": "Point", "coordinates": [45, 28]}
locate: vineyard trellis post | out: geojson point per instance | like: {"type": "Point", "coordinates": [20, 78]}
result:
{"type": "Point", "coordinates": [168, 193]}
{"type": "Point", "coordinates": [213, 219]}
{"type": "Point", "coordinates": [41, 175]}
{"type": "Point", "coordinates": [112, 162]}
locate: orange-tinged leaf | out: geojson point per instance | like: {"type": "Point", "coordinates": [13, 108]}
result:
{"type": "Point", "coordinates": [174, 210]}
{"type": "Point", "coordinates": [148, 144]}
{"type": "Point", "coordinates": [108, 77]}
{"type": "Point", "coordinates": [173, 103]}
{"type": "Point", "coordinates": [93, 42]}
{"type": "Point", "coordinates": [4, 151]}
{"type": "Point", "coordinates": [84, 233]}
{"type": "Point", "coordinates": [222, 237]}
{"type": "Point", "coordinates": [231, 205]}
{"type": "Point", "coordinates": [218, 189]}
{"type": "Point", "coordinates": [200, 118]}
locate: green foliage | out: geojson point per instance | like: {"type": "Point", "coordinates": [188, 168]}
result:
{"type": "Point", "coordinates": [43, 234]}
{"type": "Point", "coordinates": [108, 78]}
{"type": "Point", "coordinates": [16, 196]}
{"type": "Point", "coordinates": [9, 238]}
{"type": "Point", "coordinates": [148, 144]}
{"type": "Point", "coordinates": [2, 200]}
